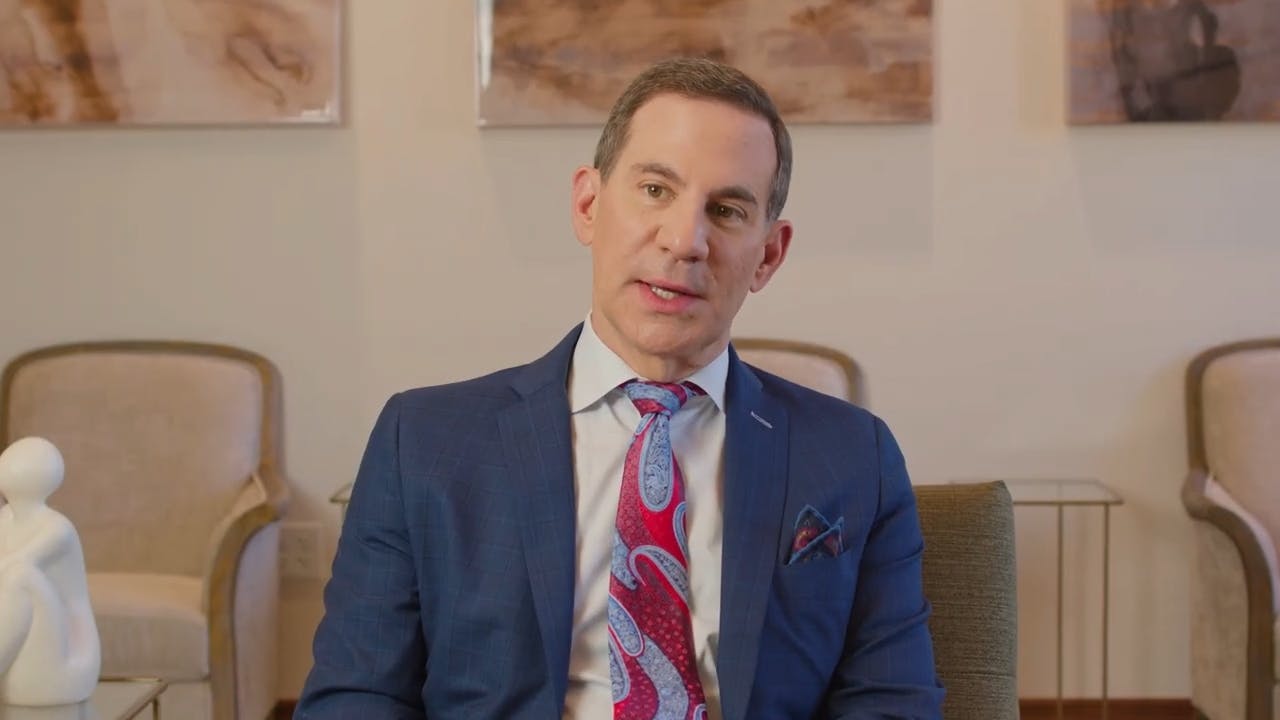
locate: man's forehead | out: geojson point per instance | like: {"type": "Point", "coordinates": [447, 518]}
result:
{"type": "Point", "coordinates": [659, 111]}
{"type": "Point", "coordinates": [683, 134]}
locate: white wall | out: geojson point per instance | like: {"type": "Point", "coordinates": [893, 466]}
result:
{"type": "Point", "coordinates": [1022, 296]}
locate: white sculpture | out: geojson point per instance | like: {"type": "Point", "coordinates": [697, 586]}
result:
{"type": "Point", "coordinates": [49, 646]}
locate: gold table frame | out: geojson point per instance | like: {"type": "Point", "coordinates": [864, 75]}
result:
{"type": "Point", "coordinates": [141, 693]}
{"type": "Point", "coordinates": [151, 699]}
{"type": "Point", "coordinates": [342, 497]}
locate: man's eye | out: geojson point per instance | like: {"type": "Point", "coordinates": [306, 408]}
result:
{"type": "Point", "coordinates": [727, 212]}
{"type": "Point", "coordinates": [654, 191]}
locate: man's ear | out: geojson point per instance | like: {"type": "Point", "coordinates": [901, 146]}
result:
{"type": "Point", "coordinates": [775, 251]}
{"type": "Point", "coordinates": [586, 188]}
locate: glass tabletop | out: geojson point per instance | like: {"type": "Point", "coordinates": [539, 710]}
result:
{"type": "Point", "coordinates": [111, 700]}
{"type": "Point", "coordinates": [1061, 491]}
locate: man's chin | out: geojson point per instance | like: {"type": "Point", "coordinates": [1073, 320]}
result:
{"type": "Point", "coordinates": [675, 345]}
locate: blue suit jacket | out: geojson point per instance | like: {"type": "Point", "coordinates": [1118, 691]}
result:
{"type": "Point", "coordinates": [452, 589]}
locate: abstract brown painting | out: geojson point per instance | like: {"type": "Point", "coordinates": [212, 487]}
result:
{"type": "Point", "coordinates": [169, 62]}
{"type": "Point", "coordinates": [564, 62]}
{"type": "Point", "coordinates": [1174, 61]}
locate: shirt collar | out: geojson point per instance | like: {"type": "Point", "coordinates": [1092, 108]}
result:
{"type": "Point", "coordinates": [597, 370]}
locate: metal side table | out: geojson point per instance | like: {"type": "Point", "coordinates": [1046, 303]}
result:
{"type": "Point", "coordinates": [342, 498]}
{"type": "Point", "coordinates": [1061, 494]}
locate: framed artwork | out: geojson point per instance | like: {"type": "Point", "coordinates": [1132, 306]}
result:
{"type": "Point", "coordinates": [564, 62]}
{"type": "Point", "coordinates": [1173, 61]}
{"type": "Point", "coordinates": [169, 62]}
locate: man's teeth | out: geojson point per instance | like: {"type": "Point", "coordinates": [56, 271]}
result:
{"type": "Point", "coordinates": [664, 294]}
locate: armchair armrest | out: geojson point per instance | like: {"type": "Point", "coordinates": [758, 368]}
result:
{"type": "Point", "coordinates": [261, 503]}
{"type": "Point", "coordinates": [1206, 501]}
{"type": "Point", "coordinates": [1218, 495]}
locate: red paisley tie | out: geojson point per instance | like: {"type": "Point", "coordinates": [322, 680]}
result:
{"type": "Point", "coordinates": [651, 654]}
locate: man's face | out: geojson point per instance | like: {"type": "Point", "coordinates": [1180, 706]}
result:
{"type": "Point", "coordinates": [679, 232]}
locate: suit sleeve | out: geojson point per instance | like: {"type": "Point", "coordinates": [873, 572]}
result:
{"type": "Point", "coordinates": [888, 667]}
{"type": "Point", "coordinates": [369, 652]}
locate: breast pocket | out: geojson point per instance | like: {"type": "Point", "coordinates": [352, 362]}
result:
{"type": "Point", "coordinates": [821, 578]}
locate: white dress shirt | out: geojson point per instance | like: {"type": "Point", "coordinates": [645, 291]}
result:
{"type": "Point", "coordinates": [604, 420]}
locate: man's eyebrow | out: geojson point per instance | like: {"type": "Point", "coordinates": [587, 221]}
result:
{"type": "Point", "coordinates": [654, 168]}
{"type": "Point", "coordinates": [732, 192]}
{"type": "Point", "coordinates": [736, 192]}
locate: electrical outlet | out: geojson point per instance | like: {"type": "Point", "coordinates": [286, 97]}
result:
{"type": "Point", "coordinates": [300, 550]}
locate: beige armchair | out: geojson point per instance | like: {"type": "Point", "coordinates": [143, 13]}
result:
{"type": "Point", "coordinates": [815, 366]}
{"type": "Point", "coordinates": [1232, 492]}
{"type": "Point", "coordinates": [173, 481]}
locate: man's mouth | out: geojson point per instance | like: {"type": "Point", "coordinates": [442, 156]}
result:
{"type": "Point", "coordinates": [664, 293]}
{"type": "Point", "coordinates": [669, 291]}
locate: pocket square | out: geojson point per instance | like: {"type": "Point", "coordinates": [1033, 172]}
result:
{"type": "Point", "coordinates": [814, 536]}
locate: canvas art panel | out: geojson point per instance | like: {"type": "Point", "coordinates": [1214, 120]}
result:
{"type": "Point", "coordinates": [563, 62]}
{"type": "Point", "coordinates": [1173, 61]}
{"type": "Point", "coordinates": [162, 62]}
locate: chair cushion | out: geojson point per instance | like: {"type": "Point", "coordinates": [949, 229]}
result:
{"type": "Point", "coordinates": [150, 625]}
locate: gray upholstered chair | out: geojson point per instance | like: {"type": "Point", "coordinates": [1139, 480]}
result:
{"type": "Point", "coordinates": [1232, 493]}
{"type": "Point", "coordinates": [815, 366]}
{"type": "Point", "coordinates": [970, 579]}
{"type": "Point", "coordinates": [173, 482]}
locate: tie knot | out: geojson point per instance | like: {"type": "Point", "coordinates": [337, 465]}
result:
{"type": "Point", "coordinates": [656, 397]}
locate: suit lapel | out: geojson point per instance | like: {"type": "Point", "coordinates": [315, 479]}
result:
{"type": "Point", "coordinates": [536, 439]}
{"type": "Point", "coordinates": [755, 484]}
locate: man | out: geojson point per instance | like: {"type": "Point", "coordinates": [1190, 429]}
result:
{"type": "Point", "coordinates": [563, 540]}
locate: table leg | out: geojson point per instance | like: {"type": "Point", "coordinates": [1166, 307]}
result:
{"type": "Point", "coordinates": [1106, 598]}
{"type": "Point", "coordinates": [1059, 612]}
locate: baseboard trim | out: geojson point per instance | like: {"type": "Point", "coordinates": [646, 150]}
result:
{"type": "Point", "coordinates": [1117, 709]}
{"type": "Point", "coordinates": [1032, 709]}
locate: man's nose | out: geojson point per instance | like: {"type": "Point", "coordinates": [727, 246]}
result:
{"type": "Point", "coordinates": [685, 230]}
